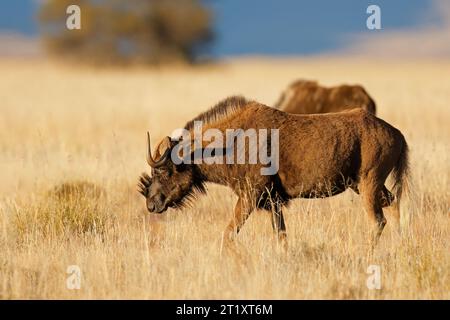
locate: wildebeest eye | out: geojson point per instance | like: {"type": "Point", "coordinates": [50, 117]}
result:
{"type": "Point", "coordinates": [181, 167]}
{"type": "Point", "coordinates": [162, 172]}
{"type": "Point", "coordinates": [144, 183]}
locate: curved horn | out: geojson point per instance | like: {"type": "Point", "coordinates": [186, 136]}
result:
{"type": "Point", "coordinates": [151, 162]}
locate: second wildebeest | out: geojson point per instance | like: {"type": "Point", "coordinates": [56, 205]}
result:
{"type": "Point", "coordinates": [306, 97]}
{"type": "Point", "coordinates": [320, 155]}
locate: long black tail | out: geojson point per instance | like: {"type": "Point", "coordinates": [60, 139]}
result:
{"type": "Point", "coordinates": [401, 173]}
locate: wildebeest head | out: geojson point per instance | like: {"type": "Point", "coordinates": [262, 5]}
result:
{"type": "Point", "coordinates": [171, 185]}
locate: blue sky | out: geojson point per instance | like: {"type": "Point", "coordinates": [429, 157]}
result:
{"type": "Point", "coordinates": [302, 27]}
{"type": "Point", "coordinates": [269, 27]}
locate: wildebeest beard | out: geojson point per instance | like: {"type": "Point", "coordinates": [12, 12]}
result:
{"type": "Point", "coordinates": [184, 198]}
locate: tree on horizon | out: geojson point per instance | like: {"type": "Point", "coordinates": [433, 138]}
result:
{"type": "Point", "coordinates": [123, 32]}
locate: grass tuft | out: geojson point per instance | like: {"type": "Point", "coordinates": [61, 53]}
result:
{"type": "Point", "coordinates": [66, 210]}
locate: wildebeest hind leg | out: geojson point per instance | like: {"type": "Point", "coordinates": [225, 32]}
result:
{"type": "Point", "coordinates": [386, 197]}
{"type": "Point", "coordinates": [354, 187]}
{"type": "Point", "coordinates": [387, 201]}
{"type": "Point", "coordinates": [370, 192]}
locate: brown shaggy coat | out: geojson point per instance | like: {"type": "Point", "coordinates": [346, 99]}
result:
{"type": "Point", "coordinates": [320, 155]}
{"type": "Point", "coordinates": [305, 97]}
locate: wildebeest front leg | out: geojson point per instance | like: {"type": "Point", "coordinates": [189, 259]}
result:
{"type": "Point", "coordinates": [278, 224]}
{"type": "Point", "coordinates": [242, 211]}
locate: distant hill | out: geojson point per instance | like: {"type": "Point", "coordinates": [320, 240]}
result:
{"type": "Point", "coordinates": [18, 45]}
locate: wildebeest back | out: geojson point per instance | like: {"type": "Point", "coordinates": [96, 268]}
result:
{"type": "Point", "coordinates": [306, 97]}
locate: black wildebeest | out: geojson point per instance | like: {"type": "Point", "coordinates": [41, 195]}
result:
{"type": "Point", "coordinates": [305, 97]}
{"type": "Point", "coordinates": [320, 155]}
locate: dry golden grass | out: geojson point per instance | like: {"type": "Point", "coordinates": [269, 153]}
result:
{"type": "Point", "coordinates": [73, 144]}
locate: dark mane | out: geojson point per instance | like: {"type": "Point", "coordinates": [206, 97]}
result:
{"type": "Point", "coordinates": [221, 110]}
